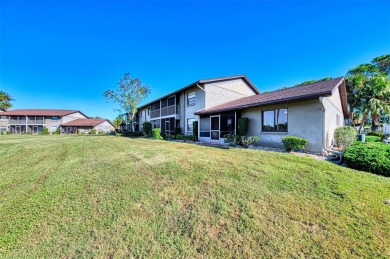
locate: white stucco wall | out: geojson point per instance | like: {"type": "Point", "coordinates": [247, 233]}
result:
{"type": "Point", "coordinates": [104, 126]}
{"type": "Point", "coordinates": [305, 120]}
{"type": "Point", "coordinates": [225, 91]}
{"type": "Point", "coordinates": [334, 116]}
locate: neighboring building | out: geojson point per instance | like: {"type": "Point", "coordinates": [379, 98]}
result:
{"type": "Point", "coordinates": [32, 121]}
{"type": "Point", "coordinates": [177, 109]}
{"type": "Point", "coordinates": [86, 125]}
{"type": "Point", "coordinates": [312, 111]}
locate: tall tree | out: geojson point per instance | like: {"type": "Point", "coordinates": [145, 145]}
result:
{"type": "Point", "coordinates": [5, 100]}
{"type": "Point", "coordinates": [118, 121]}
{"type": "Point", "coordinates": [372, 97]}
{"type": "Point", "coordinates": [367, 89]}
{"type": "Point", "coordinates": [129, 93]}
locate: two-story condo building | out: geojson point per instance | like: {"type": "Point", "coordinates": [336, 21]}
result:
{"type": "Point", "coordinates": [311, 111]}
{"type": "Point", "coordinates": [22, 121]}
{"type": "Point", "coordinates": [177, 109]}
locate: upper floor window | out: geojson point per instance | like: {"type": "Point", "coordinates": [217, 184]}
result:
{"type": "Point", "coordinates": [274, 121]}
{"type": "Point", "coordinates": [148, 111]}
{"type": "Point", "coordinates": [3, 118]}
{"type": "Point", "coordinates": [54, 118]}
{"type": "Point", "coordinates": [191, 99]}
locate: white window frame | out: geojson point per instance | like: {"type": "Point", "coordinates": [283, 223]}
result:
{"type": "Point", "coordinates": [188, 98]}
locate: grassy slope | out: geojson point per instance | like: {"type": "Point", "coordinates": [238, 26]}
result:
{"type": "Point", "coordinates": [111, 196]}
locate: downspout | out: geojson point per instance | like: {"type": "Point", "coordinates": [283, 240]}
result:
{"type": "Point", "coordinates": [321, 99]}
{"type": "Point", "coordinates": [200, 87]}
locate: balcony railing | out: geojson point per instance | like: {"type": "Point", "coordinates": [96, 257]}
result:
{"type": "Point", "coordinates": [170, 110]}
{"type": "Point", "coordinates": [17, 121]}
{"type": "Point", "coordinates": [30, 121]}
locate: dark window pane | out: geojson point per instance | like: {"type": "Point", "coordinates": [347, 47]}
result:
{"type": "Point", "coordinates": [214, 123]}
{"type": "Point", "coordinates": [171, 101]}
{"type": "Point", "coordinates": [268, 120]}
{"type": "Point", "coordinates": [164, 103]}
{"type": "Point", "coordinates": [281, 120]}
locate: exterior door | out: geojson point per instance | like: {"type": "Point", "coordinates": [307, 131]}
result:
{"type": "Point", "coordinates": [17, 129]}
{"type": "Point", "coordinates": [35, 130]}
{"type": "Point", "coordinates": [214, 129]}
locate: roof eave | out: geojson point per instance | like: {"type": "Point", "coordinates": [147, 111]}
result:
{"type": "Point", "coordinates": [241, 107]}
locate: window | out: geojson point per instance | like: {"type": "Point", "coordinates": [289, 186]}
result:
{"type": "Point", "coordinates": [190, 124]}
{"type": "Point", "coordinates": [191, 99]}
{"type": "Point", "coordinates": [3, 118]}
{"type": "Point", "coordinates": [275, 121]}
{"type": "Point", "coordinates": [54, 118]}
{"type": "Point", "coordinates": [148, 111]}
{"type": "Point", "coordinates": [3, 129]}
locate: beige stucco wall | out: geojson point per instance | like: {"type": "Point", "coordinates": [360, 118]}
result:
{"type": "Point", "coordinates": [188, 111]}
{"type": "Point", "coordinates": [225, 91]}
{"type": "Point", "coordinates": [333, 110]}
{"type": "Point", "coordinates": [305, 120]}
{"type": "Point", "coordinates": [104, 126]}
{"type": "Point", "coordinates": [72, 117]}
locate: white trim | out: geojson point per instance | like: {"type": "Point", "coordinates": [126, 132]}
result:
{"type": "Point", "coordinates": [219, 130]}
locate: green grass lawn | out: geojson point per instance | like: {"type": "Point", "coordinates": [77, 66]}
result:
{"type": "Point", "coordinates": [108, 196]}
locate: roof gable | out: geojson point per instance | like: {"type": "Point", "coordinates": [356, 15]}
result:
{"type": "Point", "coordinates": [204, 81]}
{"type": "Point", "coordinates": [85, 122]}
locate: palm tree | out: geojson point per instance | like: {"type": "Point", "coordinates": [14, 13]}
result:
{"type": "Point", "coordinates": [5, 100]}
{"type": "Point", "coordinates": [372, 94]}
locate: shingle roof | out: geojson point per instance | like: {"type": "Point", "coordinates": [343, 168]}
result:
{"type": "Point", "coordinates": [39, 112]}
{"type": "Point", "coordinates": [204, 81]}
{"type": "Point", "coordinates": [85, 122]}
{"type": "Point", "coordinates": [303, 92]}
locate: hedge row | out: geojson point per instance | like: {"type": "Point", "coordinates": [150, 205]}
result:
{"type": "Point", "coordinates": [372, 157]}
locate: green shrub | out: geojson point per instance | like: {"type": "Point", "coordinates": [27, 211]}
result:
{"type": "Point", "coordinates": [231, 139]}
{"type": "Point", "coordinates": [291, 143]}
{"type": "Point", "coordinates": [376, 134]}
{"type": "Point", "coordinates": [345, 136]}
{"type": "Point", "coordinates": [45, 131]}
{"type": "Point", "coordinates": [373, 139]}
{"type": "Point", "coordinates": [147, 128]}
{"type": "Point", "coordinates": [101, 132]}
{"type": "Point", "coordinates": [156, 132]}
{"type": "Point", "coordinates": [93, 132]}
{"type": "Point", "coordinates": [169, 137]}
{"type": "Point", "coordinates": [195, 129]}
{"type": "Point", "coordinates": [371, 157]}
{"type": "Point", "coordinates": [248, 141]}
{"type": "Point", "coordinates": [191, 138]}
{"type": "Point", "coordinates": [242, 126]}
{"type": "Point", "coordinates": [180, 137]}
{"type": "Point", "coordinates": [7, 132]}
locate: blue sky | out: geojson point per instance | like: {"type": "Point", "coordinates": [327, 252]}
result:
{"type": "Point", "coordinates": [64, 54]}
